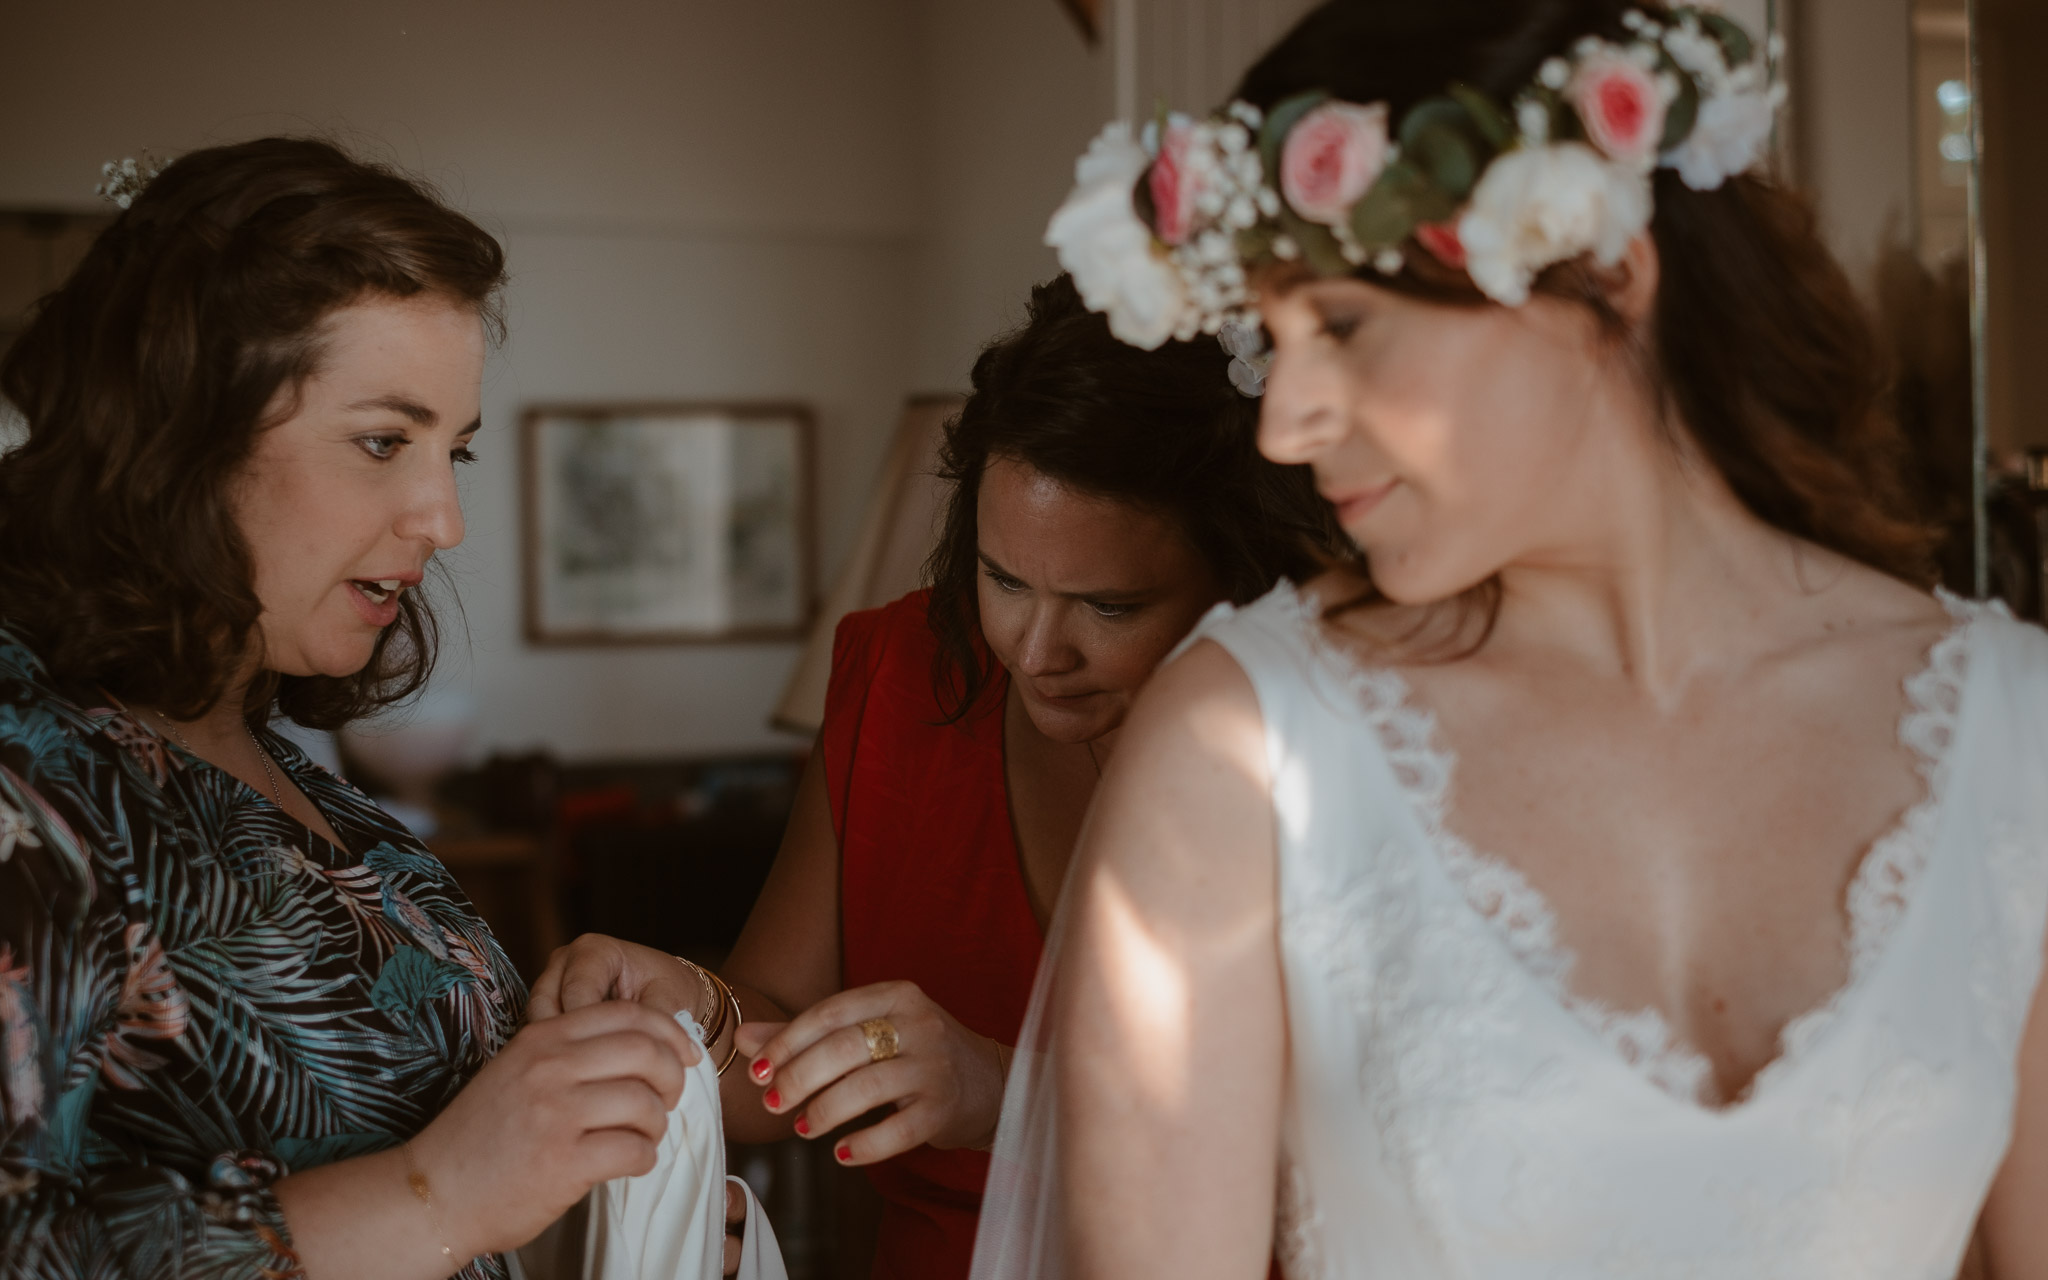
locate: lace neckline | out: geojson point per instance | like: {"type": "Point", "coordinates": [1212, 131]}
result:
{"type": "Point", "coordinates": [1517, 914]}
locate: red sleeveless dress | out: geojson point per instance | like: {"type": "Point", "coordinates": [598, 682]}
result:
{"type": "Point", "coordinates": [931, 891]}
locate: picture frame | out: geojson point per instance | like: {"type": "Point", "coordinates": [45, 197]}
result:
{"type": "Point", "coordinates": [667, 523]}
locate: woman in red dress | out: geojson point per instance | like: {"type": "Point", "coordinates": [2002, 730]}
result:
{"type": "Point", "coordinates": [1104, 498]}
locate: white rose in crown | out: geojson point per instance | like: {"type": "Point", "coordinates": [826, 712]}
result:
{"type": "Point", "coordinates": [1108, 249]}
{"type": "Point", "coordinates": [1543, 205]}
{"type": "Point", "coordinates": [1621, 106]}
{"type": "Point", "coordinates": [1728, 137]}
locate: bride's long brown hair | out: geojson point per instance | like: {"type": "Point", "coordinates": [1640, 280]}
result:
{"type": "Point", "coordinates": [1763, 353]}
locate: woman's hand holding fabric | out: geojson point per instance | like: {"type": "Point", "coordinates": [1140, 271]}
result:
{"type": "Point", "coordinates": [569, 1103]}
{"type": "Point", "coordinates": [595, 968]}
{"type": "Point", "coordinates": [945, 1082]}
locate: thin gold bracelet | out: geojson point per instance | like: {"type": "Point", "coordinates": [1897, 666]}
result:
{"type": "Point", "coordinates": [425, 1194]}
{"type": "Point", "coordinates": [739, 1019]}
{"type": "Point", "coordinates": [727, 1009]}
{"type": "Point", "coordinates": [712, 1004]}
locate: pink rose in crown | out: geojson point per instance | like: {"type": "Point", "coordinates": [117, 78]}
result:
{"type": "Point", "coordinates": [1441, 239]}
{"type": "Point", "coordinates": [1620, 106]}
{"type": "Point", "coordinates": [1174, 184]}
{"type": "Point", "coordinates": [1331, 158]}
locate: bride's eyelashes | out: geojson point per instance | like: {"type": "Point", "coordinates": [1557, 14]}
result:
{"type": "Point", "coordinates": [1339, 326]}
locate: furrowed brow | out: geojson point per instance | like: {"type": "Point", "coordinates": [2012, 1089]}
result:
{"type": "Point", "coordinates": [419, 413]}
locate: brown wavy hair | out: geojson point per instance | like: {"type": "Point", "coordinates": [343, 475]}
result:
{"type": "Point", "coordinates": [1164, 430]}
{"type": "Point", "coordinates": [145, 380]}
{"type": "Point", "coordinates": [1763, 352]}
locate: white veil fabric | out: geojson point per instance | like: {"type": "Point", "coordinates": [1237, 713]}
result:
{"type": "Point", "coordinates": [1022, 1233]}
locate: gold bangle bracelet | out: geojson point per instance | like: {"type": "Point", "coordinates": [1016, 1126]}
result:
{"type": "Point", "coordinates": [727, 1011]}
{"type": "Point", "coordinates": [739, 1019]}
{"type": "Point", "coordinates": [425, 1194]}
{"type": "Point", "coordinates": [715, 1027]}
{"type": "Point", "coordinates": [713, 1021]}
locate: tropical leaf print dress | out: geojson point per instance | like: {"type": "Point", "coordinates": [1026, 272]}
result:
{"type": "Point", "coordinates": [198, 995]}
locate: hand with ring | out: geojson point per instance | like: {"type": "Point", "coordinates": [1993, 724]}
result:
{"type": "Point", "coordinates": [875, 1046]}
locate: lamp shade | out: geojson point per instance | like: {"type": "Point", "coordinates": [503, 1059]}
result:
{"type": "Point", "coordinates": [888, 555]}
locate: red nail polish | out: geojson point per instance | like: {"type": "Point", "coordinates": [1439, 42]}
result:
{"type": "Point", "coordinates": [803, 1126]}
{"type": "Point", "coordinates": [844, 1153]}
{"type": "Point", "coordinates": [761, 1067]}
{"type": "Point", "coordinates": [773, 1098]}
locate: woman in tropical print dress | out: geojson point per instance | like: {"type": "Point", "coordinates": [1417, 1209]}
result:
{"type": "Point", "coordinates": [245, 1018]}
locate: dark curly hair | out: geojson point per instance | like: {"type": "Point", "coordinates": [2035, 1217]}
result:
{"type": "Point", "coordinates": [1758, 341]}
{"type": "Point", "coordinates": [145, 380]}
{"type": "Point", "coordinates": [1161, 429]}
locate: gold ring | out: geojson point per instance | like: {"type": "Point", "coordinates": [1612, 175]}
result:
{"type": "Point", "coordinates": [881, 1038]}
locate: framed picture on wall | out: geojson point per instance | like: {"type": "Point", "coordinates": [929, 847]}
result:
{"type": "Point", "coordinates": [667, 523]}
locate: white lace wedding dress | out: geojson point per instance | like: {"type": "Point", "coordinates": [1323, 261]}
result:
{"type": "Point", "coordinates": [1454, 1112]}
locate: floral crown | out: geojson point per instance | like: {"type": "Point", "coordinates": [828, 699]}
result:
{"type": "Point", "coordinates": [1161, 227]}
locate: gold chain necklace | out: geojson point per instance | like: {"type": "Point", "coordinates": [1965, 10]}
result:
{"type": "Point", "coordinates": [276, 792]}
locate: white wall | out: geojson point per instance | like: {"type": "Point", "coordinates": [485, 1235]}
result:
{"type": "Point", "coordinates": [676, 114]}
{"type": "Point", "coordinates": [1011, 97]}
{"type": "Point", "coordinates": [1852, 98]}
{"type": "Point", "coordinates": [701, 200]}
{"type": "Point", "coordinates": [641, 316]}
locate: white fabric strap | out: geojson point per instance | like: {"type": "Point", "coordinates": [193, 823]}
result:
{"type": "Point", "coordinates": [669, 1223]}
{"type": "Point", "coordinates": [760, 1255]}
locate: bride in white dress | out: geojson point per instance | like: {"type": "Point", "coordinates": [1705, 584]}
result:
{"type": "Point", "coordinates": [1628, 867]}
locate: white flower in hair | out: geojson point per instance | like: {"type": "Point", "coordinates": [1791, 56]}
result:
{"type": "Point", "coordinates": [1728, 137]}
{"type": "Point", "coordinates": [123, 180]}
{"type": "Point", "coordinates": [1698, 54]}
{"type": "Point", "coordinates": [1250, 357]}
{"type": "Point", "coordinates": [1543, 205]}
{"type": "Point", "coordinates": [1108, 248]}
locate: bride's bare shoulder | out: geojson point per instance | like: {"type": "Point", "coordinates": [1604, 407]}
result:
{"type": "Point", "coordinates": [1207, 674]}
{"type": "Point", "coordinates": [1850, 601]}
{"type": "Point", "coordinates": [1197, 718]}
